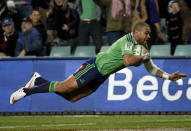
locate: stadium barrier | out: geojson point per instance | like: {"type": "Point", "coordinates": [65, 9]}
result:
{"type": "Point", "coordinates": [131, 91]}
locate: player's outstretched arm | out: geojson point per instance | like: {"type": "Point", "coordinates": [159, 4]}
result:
{"type": "Point", "coordinates": [156, 71]}
{"type": "Point", "coordinates": [175, 76]}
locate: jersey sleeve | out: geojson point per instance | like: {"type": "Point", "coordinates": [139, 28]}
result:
{"type": "Point", "coordinates": [127, 48]}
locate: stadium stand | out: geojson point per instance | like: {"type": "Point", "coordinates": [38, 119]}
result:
{"type": "Point", "coordinates": [104, 48]}
{"type": "Point", "coordinates": [4, 56]}
{"type": "Point", "coordinates": [27, 56]}
{"type": "Point", "coordinates": [85, 51]}
{"type": "Point", "coordinates": [183, 50]}
{"type": "Point", "coordinates": [61, 51]}
{"type": "Point", "coordinates": [160, 50]}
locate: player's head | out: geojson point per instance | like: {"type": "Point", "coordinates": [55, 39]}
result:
{"type": "Point", "coordinates": [141, 32]}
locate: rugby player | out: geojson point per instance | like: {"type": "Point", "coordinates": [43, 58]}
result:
{"type": "Point", "coordinates": [129, 50]}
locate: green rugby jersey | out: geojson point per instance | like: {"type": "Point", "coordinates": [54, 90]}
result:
{"type": "Point", "coordinates": [112, 60]}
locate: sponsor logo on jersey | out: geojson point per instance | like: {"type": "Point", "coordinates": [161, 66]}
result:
{"type": "Point", "coordinates": [128, 46]}
{"type": "Point", "coordinates": [82, 81]}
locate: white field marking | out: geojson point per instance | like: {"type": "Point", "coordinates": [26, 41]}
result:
{"type": "Point", "coordinates": [50, 125]}
{"type": "Point", "coordinates": [88, 116]}
{"type": "Point", "coordinates": [66, 116]}
{"type": "Point", "coordinates": [177, 120]}
{"type": "Point", "coordinates": [91, 124]}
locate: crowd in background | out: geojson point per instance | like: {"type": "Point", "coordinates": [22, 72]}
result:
{"type": "Point", "coordinates": [33, 27]}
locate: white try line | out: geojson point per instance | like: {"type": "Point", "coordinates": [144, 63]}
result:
{"type": "Point", "coordinates": [50, 125]}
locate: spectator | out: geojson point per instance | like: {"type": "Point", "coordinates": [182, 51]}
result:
{"type": "Point", "coordinates": [10, 36]}
{"type": "Point", "coordinates": [1, 33]}
{"type": "Point", "coordinates": [29, 41]}
{"type": "Point", "coordinates": [119, 20]}
{"type": "Point", "coordinates": [188, 4]}
{"type": "Point", "coordinates": [42, 6]}
{"type": "Point", "coordinates": [2, 6]}
{"type": "Point", "coordinates": [185, 14]}
{"type": "Point", "coordinates": [89, 24]}
{"type": "Point", "coordinates": [140, 12]}
{"type": "Point", "coordinates": [175, 25]}
{"type": "Point", "coordinates": [23, 7]}
{"type": "Point", "coordinates": [38, 24]}
{"type": "Point", "coordinates": [154, 21]}
{"type": "Point", "coordinates": [12, 13]}
{"type": "Point", "coordinates": [62, 23]}
{"type": "Point", "coordinates": [163, 8]}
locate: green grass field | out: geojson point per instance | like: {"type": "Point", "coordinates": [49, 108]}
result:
{"type": "Point", "coordinates": [93, 122]}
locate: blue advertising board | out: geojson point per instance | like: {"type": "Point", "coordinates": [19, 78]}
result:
{"type": "Point", "coordinates": [130, 89]}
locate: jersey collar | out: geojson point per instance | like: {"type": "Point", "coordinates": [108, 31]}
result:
{"type": "Point", "coordinates": [133, 39]}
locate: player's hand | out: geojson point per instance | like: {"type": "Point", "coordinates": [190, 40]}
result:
{"type": "Point", "coordinates": [176, 76]}
{"type": "Point", "coordinates": [145, 54]}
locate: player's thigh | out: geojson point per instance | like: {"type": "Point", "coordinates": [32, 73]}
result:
{"type": "Point", "coordinates": [85, 74]}
{"type": "Point", "coordinates": [67, 85]}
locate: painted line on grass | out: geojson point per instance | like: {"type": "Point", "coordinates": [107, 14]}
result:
{"type": "Point", "coordinates": [179, 120]}
{"type": "Point", "coordinates": [90, 124]}
{"type": "Point", "coordinates": [50, 125]}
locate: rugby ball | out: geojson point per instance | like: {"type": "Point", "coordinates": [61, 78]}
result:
{"type": "Point", "coordinates": [139, 50]}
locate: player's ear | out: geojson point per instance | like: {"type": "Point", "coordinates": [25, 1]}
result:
{"type": "Point", "coordinates": [136, 31]}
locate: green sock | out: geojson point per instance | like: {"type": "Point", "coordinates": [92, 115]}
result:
{"type": "Point", "coordinates": [52, 86]}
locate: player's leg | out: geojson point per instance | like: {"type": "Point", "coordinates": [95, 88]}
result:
{"type": "Point", "coordinates": [86, 75]}
{"type": "Point", "coordinates": [45, 86]}
{"type": "Point", "coordinates": [40, 85]}
{"type": "Point", "coordinates": [36, 79]}
{"type": "Point", "coordinates": [82, 83]}
{"type": "Point", "coordinates": [66, 86]}
{"type": "Point", "coordinates": [76, 94]}
{"type": "Point", "coordinates": [94, 79]}
{"type": "Point", "coordinates": [79, 93]}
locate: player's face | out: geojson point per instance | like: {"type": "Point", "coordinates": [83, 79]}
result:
{"type": "Point", "coordinates": [144, 35]}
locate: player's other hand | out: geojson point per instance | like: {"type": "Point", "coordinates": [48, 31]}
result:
{"type": "Point", "coordinates": [176, 76]}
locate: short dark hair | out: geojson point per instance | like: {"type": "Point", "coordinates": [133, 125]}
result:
{"type": "Point", "coordinates": [36, 9]}
{"type": "Point", "coordinates": [139, 26]}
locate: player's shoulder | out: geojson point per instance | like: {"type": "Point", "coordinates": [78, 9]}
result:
{"type": "Point", "coordinates": [126, 42]}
